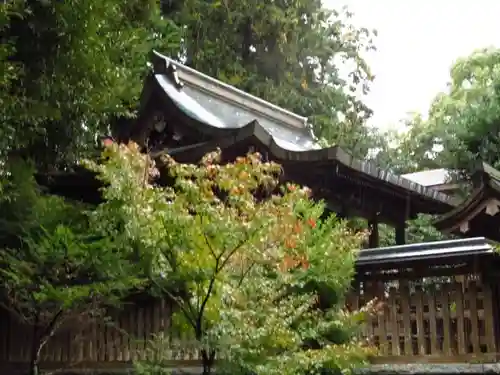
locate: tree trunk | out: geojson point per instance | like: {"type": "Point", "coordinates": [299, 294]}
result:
{"type": "Point", "coordinates": [35, 348]}
{"type": "Point", "coordinates": [34, 366]}
{"type": "Point", "coordinates": [41, 336]}
{"type": "Point", "coordinates": [208, 359]}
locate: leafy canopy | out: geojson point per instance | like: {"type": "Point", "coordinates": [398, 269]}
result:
{"type": "Point", "coordinates": [463, 122]}
{"type": "Point", "coordinates": [72, 68]}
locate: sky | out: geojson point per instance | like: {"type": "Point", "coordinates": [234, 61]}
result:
{"type": "Point", "coordinates": [418, 41]}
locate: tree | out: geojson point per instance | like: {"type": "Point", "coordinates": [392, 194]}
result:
{"type": "Point", "coordinates": [287, 52]}
{"type": "Point", "coordinates": [260, 293]}
{"type": "Point", "coordinates": [466, 118]}
{"type": "Point", "coordinates": [462, 123]}
{"type": "Point", "coordinates": [54, 266]}
{"type": "Point", "coordinates": [462, 128]}
{"type": "Point", "coordinates": [410, 149]}
{"type": "Point", "coordinates": [70, 68]}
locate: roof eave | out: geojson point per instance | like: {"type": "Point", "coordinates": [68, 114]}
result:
{"type": "Point", "coordinates": [191, 77]}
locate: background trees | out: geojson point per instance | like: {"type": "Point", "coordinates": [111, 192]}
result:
{"type": "Point", "coordinates": [56, 266]}
{"type": "Point", "coordinates": [466, 120]}
{"type": "Point", "coordinates": [461, 126]}
{"type": "Point", "coordinates": [73, 68]}
{"type": "Point", "coordinates": [460, 129]}
{"type": "Point", "coordinates": [287, 52]}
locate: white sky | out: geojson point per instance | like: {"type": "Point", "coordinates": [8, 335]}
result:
{"type": "Point", "coordinates": [418, 41]}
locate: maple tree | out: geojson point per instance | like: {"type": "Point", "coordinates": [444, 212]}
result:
{"type": "Point", "coordinates": [265, 274]}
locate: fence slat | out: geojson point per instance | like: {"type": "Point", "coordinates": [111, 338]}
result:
{"type": "Point", "coordinates": [474, 321]}
{"type": "Point", "coordinates": [431, 303]}
{"type": "Point", "coordinates": [393, 306]}
{"type": "Point", "coordinates": [445, 308]}
{"type": "Point", "coordinates": [488, 318]}
{"type": "Point", "coordinates": [458, 289]}
{"type": "Point", "coordinates": [420, 323]}
{"type": "Point", "coordinates": [405, 309]}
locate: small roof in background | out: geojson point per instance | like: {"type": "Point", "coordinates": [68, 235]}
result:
{"type": "Point", "coordinates": [431, 177]}
{"type": "Point", "coordinates": [479, 214]}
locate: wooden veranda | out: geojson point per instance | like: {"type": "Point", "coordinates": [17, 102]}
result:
{"type": "Point", "coordinates": [439, 303]}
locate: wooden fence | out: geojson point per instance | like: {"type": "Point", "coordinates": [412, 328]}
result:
{"type": "Point", "coordinates": [426, 319]}
{"type": "Point", "coordinates": [114, 342]}
{"type": "Point", "coordinates": [450, 319]}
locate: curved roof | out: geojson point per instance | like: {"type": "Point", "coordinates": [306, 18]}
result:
{"type": "Point", "coordinates": [478, 214]}
{"type": "Point", "coordinates": [224, 116]}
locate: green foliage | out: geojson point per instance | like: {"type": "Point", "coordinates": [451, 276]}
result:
{"type": "Point", "coordinates": [54, 266]}
{"type": "Point", "coordinates": [24, 210]}
{"type": "Point", "coordinates": [462, 128]}
{"type": "Point", "coordinates": [466, 119]}
{"type": "Point", "coordinates": [408, 150]}
{"type": "Point", "coordinates": [261, 296]}
{"type": "Point", "coordinates": [421, 230]}
{"type": "Point", "coordinates": [70, 68]}
{"type": "Point", "coordinates": [288, 53]}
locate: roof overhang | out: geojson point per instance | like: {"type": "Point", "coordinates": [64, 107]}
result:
{"type": "Point", "coordinates": [467, 247]}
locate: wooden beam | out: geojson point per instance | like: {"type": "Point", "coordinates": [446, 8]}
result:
{"type": "Point", "coordinates": [373, 240]}
{"type": "Point", "coordinates": [401, 234]}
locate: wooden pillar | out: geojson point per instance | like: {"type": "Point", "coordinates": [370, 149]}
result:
{"type": "Point", "coordinates": [342, 214]}
{"type": "Point", "coordinates": [401, 234]}
{"type": "Point", "coordinates": [401, 226]}
{"type": "Point", "coordinates": [373, 240]}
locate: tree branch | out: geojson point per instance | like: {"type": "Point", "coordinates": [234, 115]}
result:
{"type": "Point", "coordinates": [206, 298]}
{"type": "Point", "coordinates": [49, 331]}
{"type": "Point", "coordinates": [244, 274]}
{"type": "Point", "coordinates": [180, 303]}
